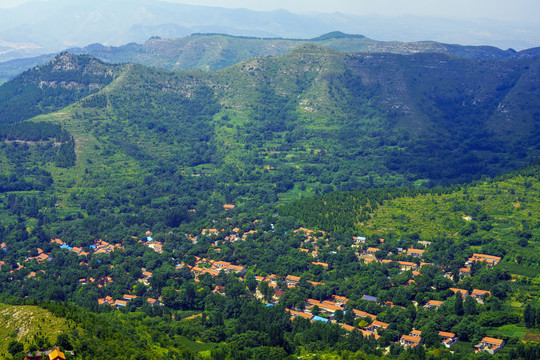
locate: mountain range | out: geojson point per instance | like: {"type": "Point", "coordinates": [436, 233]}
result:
{"type": "Point", "coordinates": [217, 51]}
{"type": "Point", "coordinates": [34, 29]}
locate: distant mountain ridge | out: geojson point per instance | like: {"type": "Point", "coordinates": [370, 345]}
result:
{"type": "Point", "coordinates": [217, 51]}
{"type": "Point", "coordinates": [43, 27]}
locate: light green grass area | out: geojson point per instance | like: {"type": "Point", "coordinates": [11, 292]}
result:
{"type": "Point", "coordinates": [507, 202]}
{"type": "Point", "coordinates": [509, 330]}
{"type": "Point", "coordinates": [194, 345]}
{"type": "Point", "coordinates": [22, 323]}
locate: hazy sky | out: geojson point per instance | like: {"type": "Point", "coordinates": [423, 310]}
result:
{"type": "Point", "coordinates": [525, 10]}
{"type": "Point", "coordinates": [469, 9]}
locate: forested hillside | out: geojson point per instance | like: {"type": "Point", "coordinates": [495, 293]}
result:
{"type": "Point", "coordinates": [312, 121]}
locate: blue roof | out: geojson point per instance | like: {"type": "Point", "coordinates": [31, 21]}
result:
{"type": "Point", "coordinates": [149, 238]}
{"type": "Point", "coordinates": [63, 246]}
{"type": "Point", "coordinates": [369, 298]}
{"type": "Point", "coordinates": [318, 318]}
{"type": "Point", "coordinates": [92, 246]}
{"type": "Point", "coordinates": [269, 305]}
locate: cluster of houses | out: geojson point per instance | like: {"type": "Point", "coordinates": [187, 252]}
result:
{"type": "Point", "coordinates": [415, 338]}
{"type": "Point", "coordinates": [54, 354]}
{"type": "Point", "coordinates": [98, 247]}
{"type": "Point", "coordinates": [122, 303]}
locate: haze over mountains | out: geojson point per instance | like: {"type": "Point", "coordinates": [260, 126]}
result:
{"type": "Point", "coordinates": [38, 27]}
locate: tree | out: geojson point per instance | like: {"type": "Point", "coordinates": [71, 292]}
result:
{"type": "Point", "coordinates": [349, 317]}
{"type": "Point", "coordinates": [251, 282]}
{"type": "Point", "coordinates": [529, 316]}
{"type": "Point", "coordinates": [430, 334]}
{"type": "Point", "coordinates": [63, 342]}
{"type": "Point", "coordinates": [15, 347]}
{"type": "Point", "coordinates": [469, 306]}
{"type": "Point", "coordinates": [458, 304]}
{"type": "Point", "coordinates": [338, 315]}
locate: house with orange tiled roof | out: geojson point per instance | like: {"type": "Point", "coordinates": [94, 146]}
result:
{"type": "Point", "coordinates": [128, 297]}
{"type": "Point", "coordinates": [491, 260]}
{"type": "Point", "coordinates": [490, 345]}
{"type": "Point", "coordinates": [410, 341]}
{"type": "Point", "coordinates": [339, 299]}
{"type": "Point", "coordinates": [464, 271]}
{"type": "Point", "coordinates": [348, 327]}
{"type": "Point", "coordinates": [433, 304]}
{"type": "Point", "coordinates": [479, 295]}
{"type": "Point", "coordinates": [292, 280]}
{"type": "Point", "coordinates": [364, 314]}
{"type": "Point", "coordinates": [371, 251]}
{"type": "Point", "coordinates": [57, 241]}
{"type": "Point", "coordinates": [324, 265]}
{"type": "Point", "coordinates": [152, 301]}
{"type": "Point", "coordinates": [375, 327]}
{"type": "Point", "coordinates": [56, 354]}
{"type": "Point", "coordinates": [296, 314]}
{"type": "Point", "coordinates": [209, 232]}
{"type": "Point", "coordinates": [228, 206]}
{"type": "Point", "coordinates": [448, 338]}
{"type": "Point", "coordinates": [41, 258]}
{"type": "Point", "coordinates": [120, 303]}
{"type": "Point", "coordinates": [407, 265]}
{"type": "Point", "coordinates": [464, 293]}
{"type": "Point", "coordinates": [415, 252]}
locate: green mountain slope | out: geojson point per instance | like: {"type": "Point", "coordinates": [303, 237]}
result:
{"type": "Point", "coordinates": [27, 324]}
{"type": "Point", "coordinates": [271, 128]}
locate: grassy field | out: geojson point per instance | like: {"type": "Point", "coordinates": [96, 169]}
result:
{"type": "Point", "coordinates": [22, 323]}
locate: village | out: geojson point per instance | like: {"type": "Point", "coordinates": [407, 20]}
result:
{"type": "Point", "coordinates": [330, 310]}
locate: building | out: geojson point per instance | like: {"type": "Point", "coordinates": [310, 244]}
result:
{"type": "Point", "coordinates": [478, 295]}
{"type": "Point", "coordinates": [415, 252]}
{"type": "Point", "coordinates": [375, 327]}
{"type": "Point", "coordinates": [410, 341]}
{"type": "Point", "coordinates": [448, 338]}
{"type": "Point", "coordinates": [464, 293]}
{"type": "Point", "coordinates": [292, 280]}
{"type": "Point", "coordinates": [364, 314]}
{"type": "Point", "coordinates": [56, 354]}
{"type": "Point", "coordinates": [491, 260]}
{"type": "Point", "coordinates": [369, 298]}
{"type": "Point", "coordinates": [433, 304]}
{"type": "Point", "coordinates": [490, 345]}
{"type": "Point", "coordinates": [407, 265]}
{"type": "Point", "coordinates": [372, 251]}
